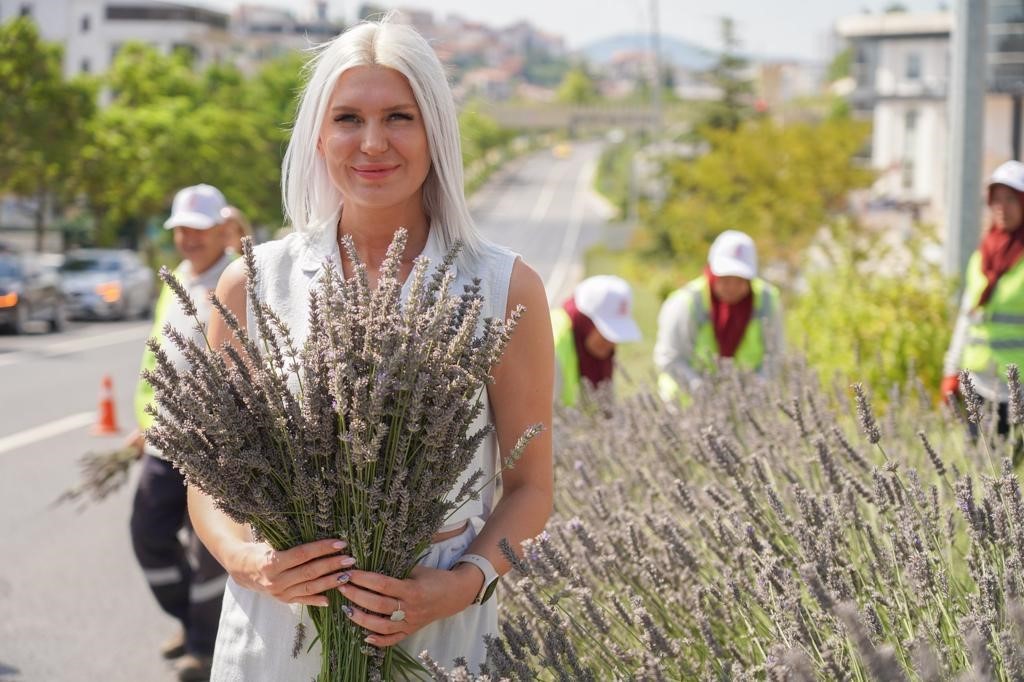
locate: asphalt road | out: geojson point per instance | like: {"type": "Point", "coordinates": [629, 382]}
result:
{"type": "Point", "coordinates": [73, 604]}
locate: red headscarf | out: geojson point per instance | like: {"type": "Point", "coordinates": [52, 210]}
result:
{"type": "Point", "coordinates": [1000, 251]}
{"type": "Point", "coordinates": [729, 320]}
{"type": "Point", "coordinates": [595, 369]}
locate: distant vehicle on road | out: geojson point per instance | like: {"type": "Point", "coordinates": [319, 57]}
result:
{"type": "Point", "coordinates": [108, 284]}
{"type": "Point", "coordinates": [29, 291]}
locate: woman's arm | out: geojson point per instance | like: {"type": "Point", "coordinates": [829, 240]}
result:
{"type": "Point", "coordinates": [520, 396]}
{"type": "Point", "coordinates": [297, 575]}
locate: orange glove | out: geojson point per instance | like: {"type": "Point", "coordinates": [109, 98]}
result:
{"type": "Point", "coordinates": [950, 385]}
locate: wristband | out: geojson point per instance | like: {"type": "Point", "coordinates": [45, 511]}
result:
{"type": "Point", "coordinates": [490, 575]}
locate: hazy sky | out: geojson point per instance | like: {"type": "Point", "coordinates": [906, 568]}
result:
{"type": "Point", "coordinates": [799, 28]}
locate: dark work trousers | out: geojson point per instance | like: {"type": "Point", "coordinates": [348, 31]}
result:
{"type": "Point", "coordinates": [186, 580]}
{"type": "Point", "coordinates": [1002, 428]}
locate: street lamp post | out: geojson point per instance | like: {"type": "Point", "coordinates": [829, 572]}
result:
{"type": "Point", "coordinates": [966, 131]}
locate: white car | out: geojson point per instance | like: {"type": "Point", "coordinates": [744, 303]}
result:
{"type": "Point", "coordinates": [109, 284]}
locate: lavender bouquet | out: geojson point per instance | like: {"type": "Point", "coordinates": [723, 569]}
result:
{"type": "Point", "coordinates": [361, 433]}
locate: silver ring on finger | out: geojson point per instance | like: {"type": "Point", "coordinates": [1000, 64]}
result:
{"type": "Point", "coordinates": [398, 614]}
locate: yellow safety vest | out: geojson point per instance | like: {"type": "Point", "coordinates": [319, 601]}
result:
{"type": "Point", "coordinates": [750, 353]}
{"type": "Point", "coordinates": [565, 356]}
{"type": "Point", "coordinates": [995, 337]}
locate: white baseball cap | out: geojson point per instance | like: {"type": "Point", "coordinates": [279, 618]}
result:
{"type": "Point", "coordinates": [607, 300]}
{"type": "Point", "coordinates": [198, 207]}
{"type": "Point", "coordinates": [733, 255]}
{"type": "Point", "coordinates": [1010, 174]}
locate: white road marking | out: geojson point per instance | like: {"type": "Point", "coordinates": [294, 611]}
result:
{"type": "Point", "coordinates": [556, 280]}
{"type": "Point", "coordinates": [547, 193]}
{"type": "Point", "coordinates": [12, 358]}
{"type": "Point", "coordinates": [74, 345]}
{"type": "Point", "coordinates": [44, 431]}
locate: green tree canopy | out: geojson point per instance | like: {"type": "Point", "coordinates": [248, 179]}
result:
{"type": "Point", "coordinates": [42, 118]}
{"type": "Point", "coordinates": [577, 87]}
{"type": "Point", "coordinates": [728, 76]}
{"type": "Point", "coordinates": [778, 183]}
{"type": "Point", "coordinates": [170, 126]}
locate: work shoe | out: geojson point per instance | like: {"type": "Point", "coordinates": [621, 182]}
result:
{"type": "Point", "coordinates": [174, 647]}
{"type": "Point", "coordinates": [192, 668]}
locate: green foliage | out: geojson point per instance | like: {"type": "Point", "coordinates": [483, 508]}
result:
{"type": "Point", "coordinates": [141, 76]}
{"type": "Point", "coordinates": [577, 87]}
{"type": "Point", "coordinates": [778, 183]}
{"type": "Point", "coordinates": [840, 66]}
{"type": "Point", "coordinates": [879, 313]}
{"type": "Point", "coordinates": [480, 134]}
{"type": "Point", "coordinates": [42, 117]}
{"type": "Point", "coordinates": [170, 126]}
{"type": "Point", "coordinates": [727, 75]}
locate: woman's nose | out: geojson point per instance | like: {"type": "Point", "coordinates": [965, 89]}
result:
{"type": "Point", "coordinates": [375, 139]}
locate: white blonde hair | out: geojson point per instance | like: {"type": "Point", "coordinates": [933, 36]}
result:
{"type": "Point", "coordinates": [311, 200]}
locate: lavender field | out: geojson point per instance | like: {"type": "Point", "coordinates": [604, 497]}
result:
{"type": "Point", "coordinates": [773, 531]}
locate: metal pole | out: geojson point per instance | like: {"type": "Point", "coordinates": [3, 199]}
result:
{"type": "Point", "coordinates": [656, 59]}
{"type": "Point", "coordinates": [1015, 136]}
{"type": "Point", "coordinates": [966, 131]}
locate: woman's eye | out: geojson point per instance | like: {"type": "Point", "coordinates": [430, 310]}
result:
{"type": "Point", "coordinates": [401, 116]}
{"type": "Point", "coordinates": [346, 118]}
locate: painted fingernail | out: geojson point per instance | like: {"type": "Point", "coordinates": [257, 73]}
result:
{"type": "Point", "coordinates": [344, 578]}
{"type": "Point", "coordinates": [348, 561]}
{"type": "Point", "coordinates": [340, 544]}
{"type": "Point", "coordinates": [371, 640]}
{"type": "Point", "coordinates": [324, 604]}
{"type": "Point", "coordinates": [347, 610]}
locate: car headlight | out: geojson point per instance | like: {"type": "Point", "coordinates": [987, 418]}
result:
{"type": "Point", "coordinates": [9, 300]}
{"type": "Point", "coordinates": [110, 292]}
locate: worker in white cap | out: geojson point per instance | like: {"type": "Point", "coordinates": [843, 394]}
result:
{"type": "Point", "coordinates": [727, 315]}
{"type": "Point", "coordinates": [185, 579]}
{"type": "Point", "coordinates": [989, 332]}
{"type": "Point", "coordinates": [587, 328]}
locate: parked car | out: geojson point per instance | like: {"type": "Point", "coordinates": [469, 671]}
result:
{"type": "Point", "coordinates": [110, 284]}
{"type": "Point", "coordinates": [29, 291]}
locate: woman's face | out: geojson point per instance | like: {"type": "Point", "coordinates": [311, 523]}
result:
{"type": "Point", "coordinates": [730, 290]}
{"type": "Point", "coordinates": [373, 140]}
{"type": "Point", "coordinates": [1005, 205]}
{"type": "Point", "coordinates": [597, 345]}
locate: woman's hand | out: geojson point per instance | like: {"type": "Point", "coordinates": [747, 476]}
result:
{"type": "Point", "coordinates": [294, 576]}
{"type": "Point", "coordinates": [427, 595]}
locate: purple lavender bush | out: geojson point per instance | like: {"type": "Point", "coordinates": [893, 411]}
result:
{"type": "Point", "coordinates": [758, 536]}
{"type": "Point", "coordinates": [360, 433]}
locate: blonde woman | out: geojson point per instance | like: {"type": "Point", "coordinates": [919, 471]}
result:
{"type": "Point", "coordinates": [375, 147]}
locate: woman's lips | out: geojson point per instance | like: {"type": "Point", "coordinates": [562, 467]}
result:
{"type": "Point", "coordinates": [374, 172]}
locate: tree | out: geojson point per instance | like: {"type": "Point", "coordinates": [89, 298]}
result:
{"type": "Point", "coordinates": [779, 184]}
{"type": "Point", "coordinates": [841, 65]}
{"type": "Point", "coordinates": [42, 119]}
{"type": "Point", "coordinates": [577, 87]}
{"type": "Point", "coordinates": [170, 126]}
{"type": "Point", "coordinates": [727, 76]}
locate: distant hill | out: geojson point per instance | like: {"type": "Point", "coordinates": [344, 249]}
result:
{"type": "Point", "coordinates": [675, 50]}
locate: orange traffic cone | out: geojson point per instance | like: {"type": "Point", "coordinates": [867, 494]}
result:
{"type": "Point", "coordinates": [106, 417]}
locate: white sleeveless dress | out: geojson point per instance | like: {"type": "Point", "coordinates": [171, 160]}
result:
{"type": "Point", "coordinates": [256, 633]}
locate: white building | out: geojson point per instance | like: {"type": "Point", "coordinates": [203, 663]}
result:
{"type": "Point", "coordinates": [901, 66]}
{"type": "Point", "coordinates": [92, 31]}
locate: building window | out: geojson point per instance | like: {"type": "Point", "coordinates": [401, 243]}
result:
{"type": "Point", "coordinates": [909, 147]}
{"type": "Point", "coordinates": [86, 65]}
{"type": "Point", "coordinates": [26, 10]}
{"type": "Point", "coordinates": [85, 23]}
{"type": "Point", "coordinates": [913, 66]}
{"type": "Point", "coordinates": [910, 122]}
